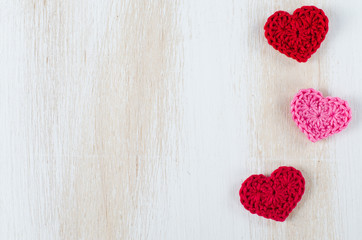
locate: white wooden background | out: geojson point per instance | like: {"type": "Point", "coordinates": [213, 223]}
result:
{"type": "Point", "coordinates": [128, 119]}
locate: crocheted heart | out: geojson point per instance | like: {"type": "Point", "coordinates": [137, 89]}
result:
{"type": "Point", "coordinates": [299, 35]}
{"type": "Point", "coordinates": [273, 197]}
{"type": "Point", "coordinates": [319, 117]}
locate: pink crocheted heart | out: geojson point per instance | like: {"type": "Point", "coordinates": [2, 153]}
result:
{"type": "Point", "coordinates": [319, 117]}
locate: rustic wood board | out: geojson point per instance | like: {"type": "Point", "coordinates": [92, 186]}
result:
{"type": "Point", "coordinates": [140, 119]}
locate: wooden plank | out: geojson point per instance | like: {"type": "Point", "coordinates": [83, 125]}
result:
{"type": "Point", "coordinates": [140, 119]}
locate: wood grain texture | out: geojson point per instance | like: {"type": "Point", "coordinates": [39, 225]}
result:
{"type": "Point", "coordinates": [140, 120]}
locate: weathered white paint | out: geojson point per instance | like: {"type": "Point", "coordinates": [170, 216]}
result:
{"type": "Point", "coordinates": [140, 119]}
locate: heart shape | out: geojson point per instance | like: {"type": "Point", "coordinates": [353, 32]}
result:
{"type": "Point", "coordinates": [319, 117]}
{"type": "Point", "coordinates": [299, 35]}
{"type": "Point", "coordinates": [273, 197]}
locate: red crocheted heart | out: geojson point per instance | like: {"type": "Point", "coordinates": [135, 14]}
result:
{"type": "Point", "coordinates": [299, 35]}
{"type": "Point", "coordinates": [273, 197]}
{"type": "Point", "coordinates": [319, 117]}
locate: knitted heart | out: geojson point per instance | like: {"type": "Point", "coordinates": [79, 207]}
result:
{"type": "Point", "coordinates": [299, 35]}
{"type": "Point", "coordinates": [319, 117]}
{"type": "Point", "coordinates": [273, 197]}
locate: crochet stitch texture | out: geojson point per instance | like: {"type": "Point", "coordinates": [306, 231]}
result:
{"type": "Point", "coordinates": [319, 117]}
{"type": "Point", "coordinates": [299, 35]}
{"type": "Point", "coordinates": [273, 197]}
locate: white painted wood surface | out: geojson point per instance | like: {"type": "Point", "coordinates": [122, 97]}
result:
{"type": "Point", "coordinates": [140, 119]}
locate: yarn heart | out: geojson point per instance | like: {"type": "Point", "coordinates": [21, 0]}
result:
{"type": "Point", "coordinates": [319, 117]}
{"type": "Point", "coordinates": [273, 197]}
{"type": "Point", "coordinates": [299, 35]}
